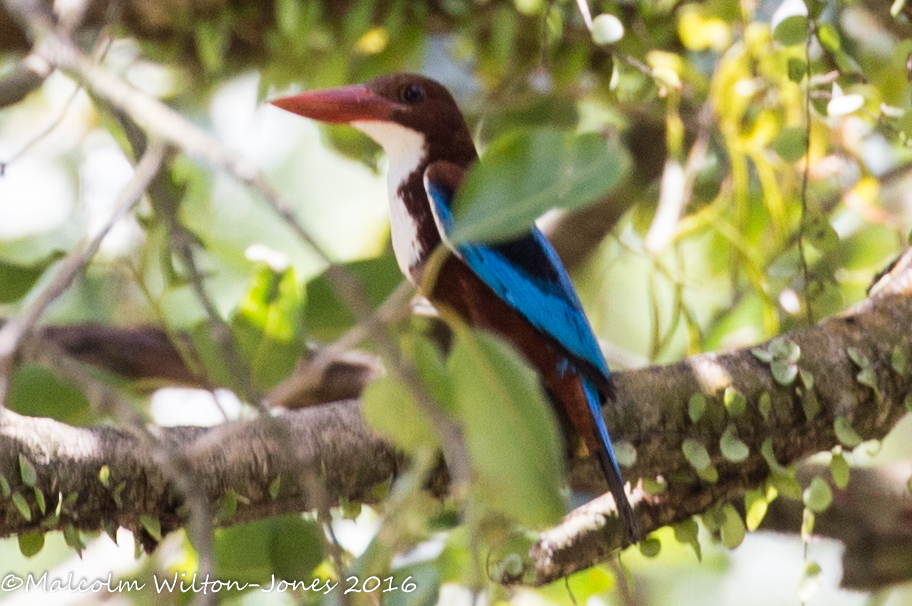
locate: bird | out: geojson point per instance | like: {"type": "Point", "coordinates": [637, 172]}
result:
{"type": "Point", "coordinates": [517, 288]}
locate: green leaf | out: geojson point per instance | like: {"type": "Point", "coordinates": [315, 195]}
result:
{"type": "Point", "coordinates": [22, 505]}
{"type": "Point", "coordinates": [790, 22]}
{"type": "Point", "coordinates": [104, 476]}
{"type": "Point", "coordinates": [625, 453]}
{"type": "Point", "coordinates": [529, 171]}
{"type": "Point", "coordinates": [784, 373]}
{"type": "Point", "coordinates": [39, 500]}
{"type": "Point", "coordinates": [756, 504]}
{"type": "Point", "coordinates": [327, 317]}
{"type": "Point", "coordinates": [860, 360]}
{"type": "Point", "coordinates": [390, 407]}
{"type": "Point", "coordinates": [72, 538]}
{"type": "Point", "coordinates": [797, 70]}
{"type": "Point", "coordinates": [275, 488]}
{"type": "Point", "coordinates": [807, 379]}
{"type": "Point", "coordinates": [809, 584]}
{"type": "Point", "coordinates": [17, 280]}
{"type": "Point", "coordinates": [766, 449]}
{"type": "Point", "coordinates": [696, 454]}
{"type": "Point", "coordinates": [110, 527]}
{"type": "Point", "coordinates": [31, 543]}
{"type": "Point", "coordinates": [733, 449]}
{"type": "Point", "coordinates": [650, 546]}
{"type": "Point", "coordinates": [37, 392]}
{"type": "Point", "coordinates": [288, 546]}
{"type": "Point", "coordinates": [735, 402]}
{"type": "Point", "coordinates": [763, 355]}
{"type": "Point", "coordinates": [765, 405]}
{"type": "Point", "coordinates": [733, 530]}
{"type": "Point", "coordinates": [509, 429]}
{"type": "Point", "coordinates": [839, 469]}
{"type": "Point", "coordinates": [818, 496]}
{"type": "Point", "coordinates": [688, 533]}
{"type": "Point", "coordinates": [829, 37]}
{"type": "Point", "coordinates": [4, 486]}
{"type": "Point", "coordinates": [820, 234]}
{"type": "Point", "coordinates": [269, 326]}
{"type": "Point", "coordinates": [227, 506]}
{"type": "Point", "coordinates": [27, 472]}
{"type": "Point", "coordinates": [696, 406]}
{"type": "Point", "coordinates": [791, 143]}
{"type": "Point", "coordinates": [898, 361]}
{"type": "Point", "coordinates": [845, 433]}
{"type": "Point", "coordinates": [785, 350]}
{"type": "Point", "coordinates": [787, 486]}
{"type": "Point", "coordinates": [152, 525]}
{"type": "Point", "coordinates": [810, 404]}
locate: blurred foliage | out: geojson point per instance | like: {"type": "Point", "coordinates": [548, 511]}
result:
{"type": "Point", "coordinates": [763, 125]}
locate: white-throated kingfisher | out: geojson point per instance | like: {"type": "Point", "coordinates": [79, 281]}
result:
{"type": "Point", "coordinates": [518, 289]}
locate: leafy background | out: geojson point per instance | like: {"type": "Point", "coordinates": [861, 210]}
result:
{"type": "Point", "coordinates": [700, 98]}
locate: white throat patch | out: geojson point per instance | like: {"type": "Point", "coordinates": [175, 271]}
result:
{"type": "Point", "coordinates": [406, 150]}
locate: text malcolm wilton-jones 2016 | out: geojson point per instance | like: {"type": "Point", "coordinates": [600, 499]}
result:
{"type": "Point", "coordinates": [180, 582]}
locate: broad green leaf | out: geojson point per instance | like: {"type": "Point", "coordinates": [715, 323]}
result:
{"type": "Point", "coordinates": [797, 70]}
{"type": "Point", "coordinates": [27, 472]}
{"type": "Point", "coordinates": [839, 469]}
{"type": "Point", "coordinates": [755, 507]}
{"type": "Point", "coordinates": [36, 391]}
{"type": "Point", "coordinates": [17, 280]}
{"type": "Point", "coordinates": [688, 533]}
{"type": "Point", "coordinates": [289, 547]}
{"type": "Point", "coordinates": [227, 506]}
{"type": "Point", "coordinates": [732, 529]}
{"type": "Point", "coordinates": [22, 505]}
{"type": "Point", "coordinates": [818, 496]}
{"type": "Point", "coordinates": [269, 326]}
{"type": "Point", "coordinates": [845, 433]}
{"type": "Point", "coordinates": [696, 454]}
{"type": "Point", "coordinates": [152, 525]}
{"type": "Point", "coordinates": [733, 449]}
{"type": "Point", "coordinates": [650, 546]}
{"type": "Point", "coordinates": [625, 452]}
{"type": "Point", "coordinates": [765, 405]}
{"type": "Point", "coordinates": [390, 408]}
{"type": "Point", "coordinates": [820, 234]}
{"type": "Point", "coordinates": [791, 143]}
{"type": "Point", "coordinates": [696, 406]}
{"type": "Point", "coordinates": [31, 543]}
{"type": "Point", "coordinates": [790, 22]}
{"type": "Point", "coordinates": [899, 361]}
{"type": "Point", "coordinates": [327, 317]}
{"type": "Point", "coordinates": [735, 402]}
{"type": "Point", "coordinates": [525, 173]}
{"type": "Point", "coordinates": [509, 429]}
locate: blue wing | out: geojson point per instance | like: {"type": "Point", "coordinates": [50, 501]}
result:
{"type": "Point", "coordinates": [527, 274]}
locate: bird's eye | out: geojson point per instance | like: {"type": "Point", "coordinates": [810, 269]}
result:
{"type": "Point", "coordinates": [413, 93]}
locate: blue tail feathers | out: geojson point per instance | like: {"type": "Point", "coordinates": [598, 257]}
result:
{"type": "Point", "coordinates": [608, 461]}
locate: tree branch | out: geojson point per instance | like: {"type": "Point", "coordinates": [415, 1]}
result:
{"type": "Point", "coordinates": [651, 413]}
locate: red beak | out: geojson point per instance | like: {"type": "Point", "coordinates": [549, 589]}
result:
{"type": "Point", "coordinates": [338, 105]}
